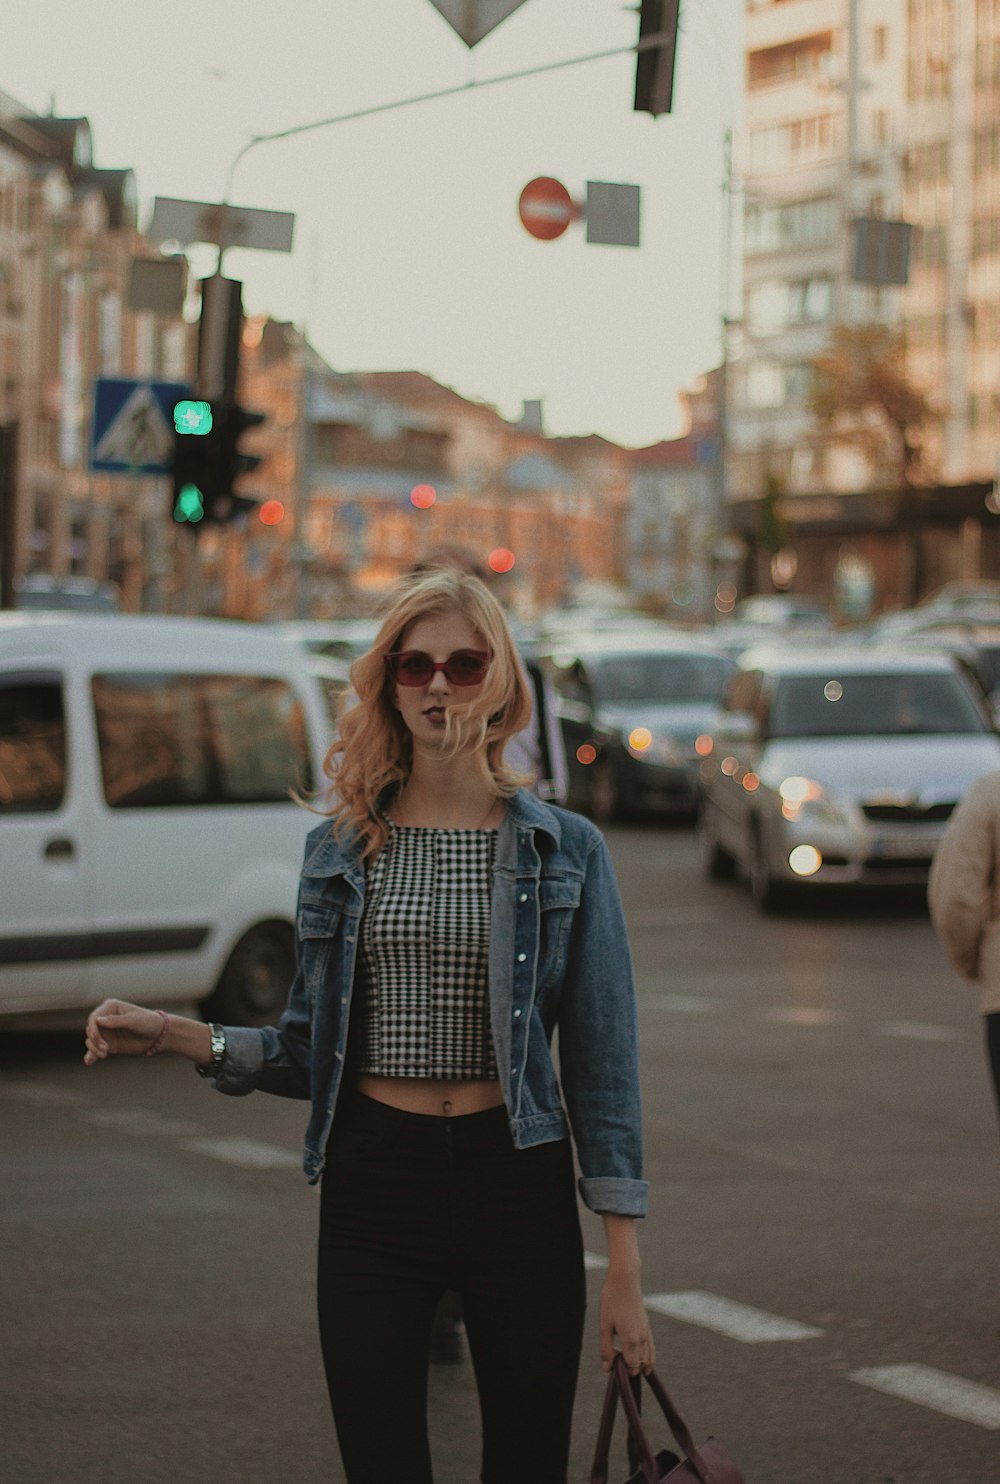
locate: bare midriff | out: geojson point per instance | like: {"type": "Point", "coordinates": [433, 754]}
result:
{"type": "Point", "coordinates": [427, 1095]}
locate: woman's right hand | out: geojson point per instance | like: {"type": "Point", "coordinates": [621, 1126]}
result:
{"type": "Point", "coordinates": [117, 1028]}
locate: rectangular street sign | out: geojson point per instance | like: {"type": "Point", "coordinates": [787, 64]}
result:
{"type": "Point", "coordinates": [229, 226]}
{"type": "Point", "coordinates": [133, 425]}
{"type": "Point", "coordinates": [612, 213]}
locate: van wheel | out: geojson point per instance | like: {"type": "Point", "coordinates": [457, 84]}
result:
{"type": "Point", "coordinates": [605, 804]}
{"type": "Point", "coordinates": [769, 894]}
{"type": "Point", "coordinates": [253, 987]}
{"type": "Point", "coordinates": [717, 863]}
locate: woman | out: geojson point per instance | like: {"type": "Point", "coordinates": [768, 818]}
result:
{"type": "Point", "coordinates": [964, 897]}
{"type": "Point", "coordinates": [450, 922]}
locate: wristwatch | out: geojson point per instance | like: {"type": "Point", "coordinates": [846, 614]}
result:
{"type": "Point", "coordinates": [218, 1047]}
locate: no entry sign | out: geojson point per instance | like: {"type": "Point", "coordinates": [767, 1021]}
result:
{"type": "Point", "coordinates": [546, 208]}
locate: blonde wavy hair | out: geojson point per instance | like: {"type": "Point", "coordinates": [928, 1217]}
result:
{"type": "Point", "coordinates": [373, 748]}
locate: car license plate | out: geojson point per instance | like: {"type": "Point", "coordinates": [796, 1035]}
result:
{"type": "Point", "coordinates": [901, 846]}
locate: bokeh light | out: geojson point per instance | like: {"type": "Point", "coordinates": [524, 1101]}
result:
{"type": "Point", "coordinates": [500, 559]}
{"type": "Point", "coordinates": [586, 753]}
{"type": "Point", "coordinates": [271, 513]}
{"type": "Point", "coordinates": [423, 496]}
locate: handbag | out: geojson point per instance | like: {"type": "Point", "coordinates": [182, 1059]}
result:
{"type": "Point", "coordinates": [709, 1464]}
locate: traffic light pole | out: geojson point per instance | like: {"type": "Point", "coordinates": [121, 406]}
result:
{"type": "Point", "coordinates": [650, 43]}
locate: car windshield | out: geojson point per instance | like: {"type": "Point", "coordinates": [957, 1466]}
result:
{"type": "Point", "coordinates": [660, 677]}
{"type": "Point", "coordinates": [873, 705]}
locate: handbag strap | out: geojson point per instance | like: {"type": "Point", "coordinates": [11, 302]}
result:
{"type": "Point", "coordinates": [620, 1389]}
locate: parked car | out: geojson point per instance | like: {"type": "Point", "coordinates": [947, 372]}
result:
{"type": "Point", "coordinates": [633, 707]}
{"type": "Point", "coordinates": [840, 767]}
{"type": "Point", "coordinates": [39, 590]}
{"type": "Point", "coordinates": [786, 611]}
{"type": "Point", "coordinates": [149, 843]}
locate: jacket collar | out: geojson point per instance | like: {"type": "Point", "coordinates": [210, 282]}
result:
{"type": "Point", "coordinates": [331, 854]}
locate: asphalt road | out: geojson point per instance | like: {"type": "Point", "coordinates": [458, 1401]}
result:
{"type": "Point", "coordinates": [825, 1166]}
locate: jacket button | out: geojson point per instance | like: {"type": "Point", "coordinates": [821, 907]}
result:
{"type": "Point", "coordinates": [523, 897]}
{"type": "Point", "coordinates": [517, 1014]}
{"type": "Point", "coordinates": [521, 957]}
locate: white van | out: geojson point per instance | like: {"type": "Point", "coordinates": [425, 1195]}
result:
{"type": "Point", "coordinates": [149, 846]}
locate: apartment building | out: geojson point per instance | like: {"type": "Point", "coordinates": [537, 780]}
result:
{"type": "Point", "coordinates": [868, 108]}
{"type": "Point", "coordinates": [68, 237]}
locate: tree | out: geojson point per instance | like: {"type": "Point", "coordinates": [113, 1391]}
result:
{"type": "Point", "coordinates": [862, 395]}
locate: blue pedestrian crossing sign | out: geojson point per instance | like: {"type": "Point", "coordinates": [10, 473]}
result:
{"type": "Point", "coordinates": [133, 425]}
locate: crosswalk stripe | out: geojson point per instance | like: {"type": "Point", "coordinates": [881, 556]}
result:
{"type": "Point", "coordinates": [41, 1095]}
{"type": "Point", "coordinates": [918, 1030]}
{"type": "Point", "coordinates": [727, 1317]}
{"type": "Point", "coordinates": [251, 1154]}
{"type": "Point", "coordinates": [138, 1121]}
{"type": "Point", "coordinates": [953, 1395]}
{"type": "Point", "coordinates": [593, 1261]}
{"type": "Point", "coordinates": [802, 1015]}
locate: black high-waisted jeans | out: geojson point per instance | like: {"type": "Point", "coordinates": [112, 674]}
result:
{"type": "Point", "coordinates": [413, 1205]}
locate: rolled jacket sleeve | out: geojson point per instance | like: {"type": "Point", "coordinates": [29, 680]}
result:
{"type": "Point", "coordinates": [275, 1059]}
{"type": "Point", "coordinates": [599, 1047]}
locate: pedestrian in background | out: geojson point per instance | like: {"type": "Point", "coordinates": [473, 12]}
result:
{"type": "Point", "coordinates": [449, 923]}
{"type": "Point", "coordinates": [964, 898]}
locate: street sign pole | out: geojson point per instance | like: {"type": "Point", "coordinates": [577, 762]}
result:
{"type": "Point", "coordinates": [8, 512]}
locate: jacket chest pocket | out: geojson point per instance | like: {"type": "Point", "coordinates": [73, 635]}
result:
{"type": "Point", "coordinates": [558, 900]}
{"type": "Point", "coordinates": [325, 927]}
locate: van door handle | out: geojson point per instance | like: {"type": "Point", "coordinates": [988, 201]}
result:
{"type": "Point", "coordinates": [60, 849]}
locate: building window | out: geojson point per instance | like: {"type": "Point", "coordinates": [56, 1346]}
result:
{"type": "Point", "coordinates": [804, 57]}
{"type": "Point", "coordinates": [765, 385]}
{"type": "Point", "coordinates": [881, 128]}
{"type": "Point", "coordinates": [880, 43]}
{"type": "Point", "coordinates": [810, 223]}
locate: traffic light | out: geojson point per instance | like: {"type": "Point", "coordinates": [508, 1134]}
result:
{"type": "Point", "coordinates": [654, 66]}
{"type": "Point", "coordinates": [208, 461]}
{"type": "Point", "coordinates": [197, 443]}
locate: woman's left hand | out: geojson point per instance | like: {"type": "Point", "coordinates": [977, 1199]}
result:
{"type": "Point", "coordinates": [623, 1316]}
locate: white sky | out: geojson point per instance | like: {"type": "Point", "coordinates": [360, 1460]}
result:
{"type": "Point", "coordinates": [408, 250]}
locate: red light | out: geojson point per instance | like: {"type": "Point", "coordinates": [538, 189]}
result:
{"type": "Point", "coordinates": [586, 753]}
{"type": "Point", "coordinates": [501, 560]}
{"type": "Point", "coordinates": [423, 496]}
{"type": "Point", "coordinates": [271, 513]}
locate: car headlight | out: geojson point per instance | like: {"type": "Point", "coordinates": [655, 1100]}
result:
{"type": "Point", "coordinates": [803, 798]}
{"type": "Point", "coordinates": [647, 748]}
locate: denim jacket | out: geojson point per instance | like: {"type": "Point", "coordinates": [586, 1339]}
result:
{"type": "Point", "coordinates": [558, 958]}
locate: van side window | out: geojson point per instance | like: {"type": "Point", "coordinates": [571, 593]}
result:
{"type": "Point", "coordinates": [169, 741]}
{"type": "Point", "coordinates": [32, 743]}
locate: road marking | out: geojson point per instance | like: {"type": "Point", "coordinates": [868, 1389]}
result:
{"type": "Point", "coordinates": [41, 1095]}
{"type": "Point", "coordinates": [138, 1121]}
{"type": "Point", "coordinates": [952, 1395]}
{"type": "Point", "coordinates": [738, 1321]}
{"type": "Point", "coordinates": [593, 1260]}
{"type": "Point", "coordinates": [918, 1030]}
{"type": "Point", "coordinates": [251, 1154]}
{"type": "Point", "coordinates": [802, 1015]}
{"type": "Point", "coordinates": [686, 1004]}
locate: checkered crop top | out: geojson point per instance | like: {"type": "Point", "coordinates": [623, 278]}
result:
{"type": "Point", "coordinates": [423, 1003]}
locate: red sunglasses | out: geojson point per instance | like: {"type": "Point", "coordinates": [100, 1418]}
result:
{"type": "Point", "coordinates": [416, 667]}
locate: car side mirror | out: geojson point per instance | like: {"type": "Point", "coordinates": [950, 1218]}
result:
{"type": "Point", "coordinates": [569, 710]}
{"type": "Point", "coordinates": [737, 726]}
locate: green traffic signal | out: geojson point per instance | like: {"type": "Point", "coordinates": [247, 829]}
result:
{"type": "Point", "coordinates": [192, 417]}
{"type": "Point", "coordinates": [190, 504]}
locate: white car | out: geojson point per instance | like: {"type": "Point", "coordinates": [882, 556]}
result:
{"type": "Point", "coordinates": [839, 767]}
{"type": "Point", "coordinates": [149, 844]}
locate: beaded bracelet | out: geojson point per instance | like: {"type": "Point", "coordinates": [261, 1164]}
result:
{"type": "Point", "coordinates": [158, 1043]}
